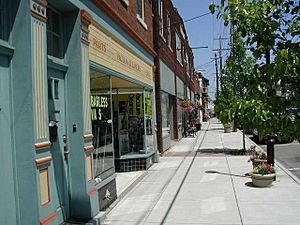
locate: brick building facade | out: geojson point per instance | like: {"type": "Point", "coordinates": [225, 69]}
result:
{"type": "Point", "coordinates": [174, 74]}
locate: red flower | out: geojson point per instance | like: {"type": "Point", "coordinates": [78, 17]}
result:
{"type": "Point", "coordinates": [269, 167]}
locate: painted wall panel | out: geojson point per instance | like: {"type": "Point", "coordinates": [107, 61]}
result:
{"type": "Point", "coordinates": [167, 79]}
{"type": "Point", "coordinates": [7, 188]}
{"type": "Point", "coordinates": [86, 90]}
{"type": "Point", "coordinates": [39, 73]}
{"type": "Point", "coordinates": [23, 113]}
{"type": "Point", "coordinates": [80, 202]}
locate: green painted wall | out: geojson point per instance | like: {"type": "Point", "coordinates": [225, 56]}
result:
{"type": "Point", "coordinates": [80, 201]}
{"type": "Point", "coordinates": [22, 114]}
{"type": "Point", "coordinates": [8, 209]}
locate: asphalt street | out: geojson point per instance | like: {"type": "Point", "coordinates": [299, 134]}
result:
{"type": "Point", "coordinates": [288, 155]}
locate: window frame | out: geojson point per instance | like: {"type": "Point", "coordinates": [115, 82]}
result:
{"type": "Point", "coordinates": [169, 32]}
{"type": "Point", "coordinates": [161, 18]}
{"type": "Point", "coordinates": [141, 18]}
{"type": "Point", "coordinates": [187, 63]}
{"type": "Point", "coordinates": [178, 48]}
{"type": "Point", "coordinates": [5, 19]}
{"type": "Point", "coordinates": [125, 2]}
{"type": "Point", "coordinates": [51, 32]}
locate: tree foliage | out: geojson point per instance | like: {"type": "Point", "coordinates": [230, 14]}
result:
{"type": "Point", "coordinates": [261, 79]}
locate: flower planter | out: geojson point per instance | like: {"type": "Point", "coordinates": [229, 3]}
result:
{"type": "Point", "coordinates": [259, 180]}
{"type": "Point", "coordinates": [256, 162]}
{"type": "Point", "coordinates": [227, 128]}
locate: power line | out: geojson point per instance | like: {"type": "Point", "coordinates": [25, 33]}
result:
{"type": "Point", "coordinates": [186, 21]}
{"type": "Point", "coordinates": [205, 63]}
{"type": "Point", "coordinates": [196, 17]}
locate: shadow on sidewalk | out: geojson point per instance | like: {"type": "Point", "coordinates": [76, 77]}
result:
{"type": "Point", "coordinates": [247, 175]}
{"type": "Point", "coordinates": [227, 151]}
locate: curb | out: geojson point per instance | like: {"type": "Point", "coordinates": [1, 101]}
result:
{"type": "Point", "coordinates": [282, 167]}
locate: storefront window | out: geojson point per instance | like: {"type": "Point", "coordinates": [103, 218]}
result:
{"type": "Point", "coordinates": [103, 155]}
{"type": "Point", "coordinates": [179, 117]}
{"type": "Point", "coordinates": [130, 123]}
{"type": "Point", "coordinates": [165, 110]}
{"type": "Point", "coordinates": [149, 120]}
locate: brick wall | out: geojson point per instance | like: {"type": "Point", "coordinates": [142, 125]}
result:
{"type": "Point", "coordinates": [126, 17]}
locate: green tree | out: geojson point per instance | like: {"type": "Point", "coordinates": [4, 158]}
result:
{"type": "Point", "coordinates": [270, 31]}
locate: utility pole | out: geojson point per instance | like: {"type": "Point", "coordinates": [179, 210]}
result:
{"type": "Point", "coordinates": [217, 75]}
{"type": "Point", "coordinates": [221, 57]}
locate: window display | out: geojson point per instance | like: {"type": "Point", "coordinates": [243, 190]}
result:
{"type": "Point", "coordinates": [165, 107]}
{"type": "Point", "coordinates": [103, 157]}
{"type": "Point", "coordinates": [129, 122]}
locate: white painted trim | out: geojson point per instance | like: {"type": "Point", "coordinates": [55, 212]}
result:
{"type": "Point", "coordinates": [141, 21]}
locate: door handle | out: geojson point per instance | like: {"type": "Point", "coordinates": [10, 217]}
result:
{"type": "Point", "coordinates": [66, 151]}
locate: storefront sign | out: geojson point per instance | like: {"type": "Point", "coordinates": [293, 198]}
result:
{"type": "Point", "coordinates": [135, 105]}
{"type": "Point", "coordinates": [111, 53]}
{"type": "Point", "coordinates": [97, 105]}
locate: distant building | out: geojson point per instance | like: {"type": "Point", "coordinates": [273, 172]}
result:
{"type": "Point", "coordinates": [203, 100]}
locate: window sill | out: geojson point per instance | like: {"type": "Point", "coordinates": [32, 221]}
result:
{"type": "Point", "coordinates": [180, 62]}
{"type": "Point", "coordinates": [162, 37]}
{"type": "Point", "coordinates": [6, 49]}
{"type": "Point", "coordinates": [142, 22]}
{"type": "Point", "coordinates": [125, 2]}
{"type": "Point", "coordinates": [56, 63]}
{"type": "Point", "coordinates": [171, 49]}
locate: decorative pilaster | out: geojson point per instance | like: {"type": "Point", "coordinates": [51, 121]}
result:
{"type": "Point", "coordinates": [86, 20]}
{"type": "Point", "coordinates": [39, 19]}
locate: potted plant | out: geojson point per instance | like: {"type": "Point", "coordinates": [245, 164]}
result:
{"type": "Point", "coordinates": [185, 103]}
{"type": "Point", "coordinates": [263, 175]}
{"type": "Point", "coordinates": [224, 109]}
{"type": "Point", "coordinates": [225, 118]}
{"type": "Point", "coordinates": [257, 157]}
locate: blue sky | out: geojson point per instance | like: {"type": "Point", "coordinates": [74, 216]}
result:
{"type": "Point", "coordinates": [201, 32]}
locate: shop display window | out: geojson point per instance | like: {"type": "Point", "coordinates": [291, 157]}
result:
{"type": "Point", "coordinates": [122, 121]}
{"type": "Point", "coordinates": [103, 154]}
{"type": "Point", "coordinates": [179, 117]}
{"type": "Point", "coordinates": [165, 113]}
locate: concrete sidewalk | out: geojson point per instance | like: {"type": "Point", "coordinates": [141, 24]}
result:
{"type": "Point", "coordinates": [196, 183]}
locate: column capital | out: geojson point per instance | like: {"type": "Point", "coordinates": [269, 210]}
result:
{"type": "Point", "coordinates": [86, 20]}
{"type": "Point", "coordinates": [85, 17]}
{"type": "Point", "coordinates": [38, 9]}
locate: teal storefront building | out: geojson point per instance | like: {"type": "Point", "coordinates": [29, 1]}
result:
{"type": "Point", "coordinates": [52, 166]}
